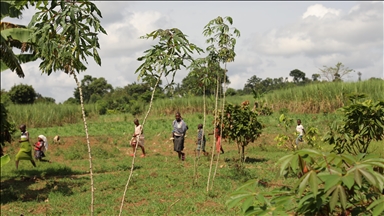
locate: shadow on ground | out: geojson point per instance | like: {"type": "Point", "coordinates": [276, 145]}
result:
{"type": "Point", "coordinates": [254, 160]}
{"type": "Point", "coordinates": [36, 185]}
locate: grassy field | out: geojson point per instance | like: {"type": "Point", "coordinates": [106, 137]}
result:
{"type": "Point", "coordinates": [161, 184]}
{"type": "Point", "coordinates": [314, 98]}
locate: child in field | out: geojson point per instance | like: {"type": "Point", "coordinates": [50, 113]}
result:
{"type": "Point", "coordinates": [200, 140]}
{"type": "Point", "coordinates": [300, 130]}
{"type": "Point", "coordinates": [138, 138]}
{"type": "Point", "coordinates": [40, 146]}
{"type": "Point", "coordinates": [217, 134]}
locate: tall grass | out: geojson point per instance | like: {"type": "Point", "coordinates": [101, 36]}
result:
{"type": "Point", "coordinates": [191, 104]}
{"type": "Point", "coordinates": [312, 98]}
{"type": "Point", "coordinates": [323, 97]}
{"type": "Point", "coordinates": [46, 115]}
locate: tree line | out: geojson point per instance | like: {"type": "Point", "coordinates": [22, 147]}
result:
{"type": "Point", "coordinates": [127, 98]}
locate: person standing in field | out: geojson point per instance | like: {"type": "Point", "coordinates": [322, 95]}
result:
{"type": "Point", "coordinates": [25, 152]}
{"type": "Point", "coordinates": [219, 147]}
{"type": "Point", "coordinates": [179, 131]}
{"type": "Point", "coordinates": [300, 130]}
{"type": "Point", "coordinates": [200, 140]}
{"type": "Point", "coordinates": [138, 138]}
{"type": "Point", "coordinates": [40, 146]}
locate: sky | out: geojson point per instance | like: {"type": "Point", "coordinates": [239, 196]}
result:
{"type": "Point", "coordinates": [276, 38]}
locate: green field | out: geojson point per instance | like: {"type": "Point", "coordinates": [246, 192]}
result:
{"type": "Point", "coordinates": [161, 184]}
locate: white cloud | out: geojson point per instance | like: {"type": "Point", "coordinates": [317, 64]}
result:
{"type": "Point", "coordinates": [320, 11]}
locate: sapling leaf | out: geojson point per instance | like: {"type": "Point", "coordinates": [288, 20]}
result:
{"type": "Point", "coordinates": [368, 176]}
{"type": "Point", "coordinates": [343, 197]}
{"type": "Point", "coordinates": [247, 203]}
{"type": "Point", "coordinates": [334, 198]}
{"type": "Point", "coordinates": [239, 197]}
{"type": "Point", "coordinates": [330, 181]}
{"type": "Point", "coordinates": [303, 183]}
{"type": "Point", "coordinates": [348, 180]}
{"type": "Point", "coordinates": [284, 162]}
{"type": "Point", "coordinates": [358, 178]}
{"type": "Point", "coordinates": [313, 182]}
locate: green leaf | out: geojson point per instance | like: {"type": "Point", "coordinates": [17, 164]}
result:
{"type": "Point", "coordinates": [358, 178]}
{"type": "Point", "coordinates": [238, 198]}
{"type": "Point", "coordinates": [343, 197]}
{"type": "Point", "coordinates": [330, 180]}
{"type": "Point", "coordinates": [5, 159]}
{"type": "Point", "coordinates": [303, 183]}
{"type": "Point", "coordinates": [378, 206]}
{"type": "Point", "coordinates": [284, 162]}
{"type": "Point", "coordinates": [313, 182]}
{"type": "Point", "coordinates": [334, 198]}
{"type": "Point", "coordinates": [369, 176]}
{"type": "Point", "coordinates": [247, 203]}
{"type": "Point", "coordinates": [348, 180]}
{"type": "Point", "coordinates": [310, 152]}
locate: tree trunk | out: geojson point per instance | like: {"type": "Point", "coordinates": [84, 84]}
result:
{"type": "Point", "coordinates": [242, 153]}
{"type": "Point", "coordinates": [198, 153]}
{"type": "Point", "coordinates": [88, 143]}
{"type": "Point", "coordinates": [214, 128]}
{"type": "Point", "coordinates": [221, 124]}
{"type": "Point", "coordinates": [134, 153]}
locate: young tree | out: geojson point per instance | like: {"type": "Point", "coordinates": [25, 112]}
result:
{"type": "Point", "coordinates": [240, 124]}
{"type": "Point", "coordinates": [163, 59]}
{"type": "Point", "coordinates": [22, 94]}
{"type": "Point", "coordinates": [221, 48]}
{"type": "Point", "coordinates": [363, 123]}
{"type": "Point", "coordinates": [67, 33]}
{"type": "Point", "coordinates": [335, 73]}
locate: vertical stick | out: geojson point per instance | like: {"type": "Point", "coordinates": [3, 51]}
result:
{"type": "Point", "coordinates": [134, 153]}
{"type": "Point", "coordinates": [214, 128]}
{"type": "Point", "coordinates": [221, 122]}
{"type": "Point", "coordinates": [87, 137]}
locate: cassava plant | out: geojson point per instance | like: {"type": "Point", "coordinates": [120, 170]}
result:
{"type": "Point", "coordinates": [333, 185]}
{"type": "Point", "coordinates": [311, 136]}
{"type": "Point", "coordinates": [66, 34]}
{"type": "Point", "coordinates": [363, 123]}
{"type": "Point", "coordinates": [163, 59]}
{"type": "Point", "coordinates": [287, 140]}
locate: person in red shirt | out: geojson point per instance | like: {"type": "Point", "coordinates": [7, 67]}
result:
{"type": "Point", "coordinates": [39, 147]}
{"type": "Point", "coordinates": [219, 147]}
